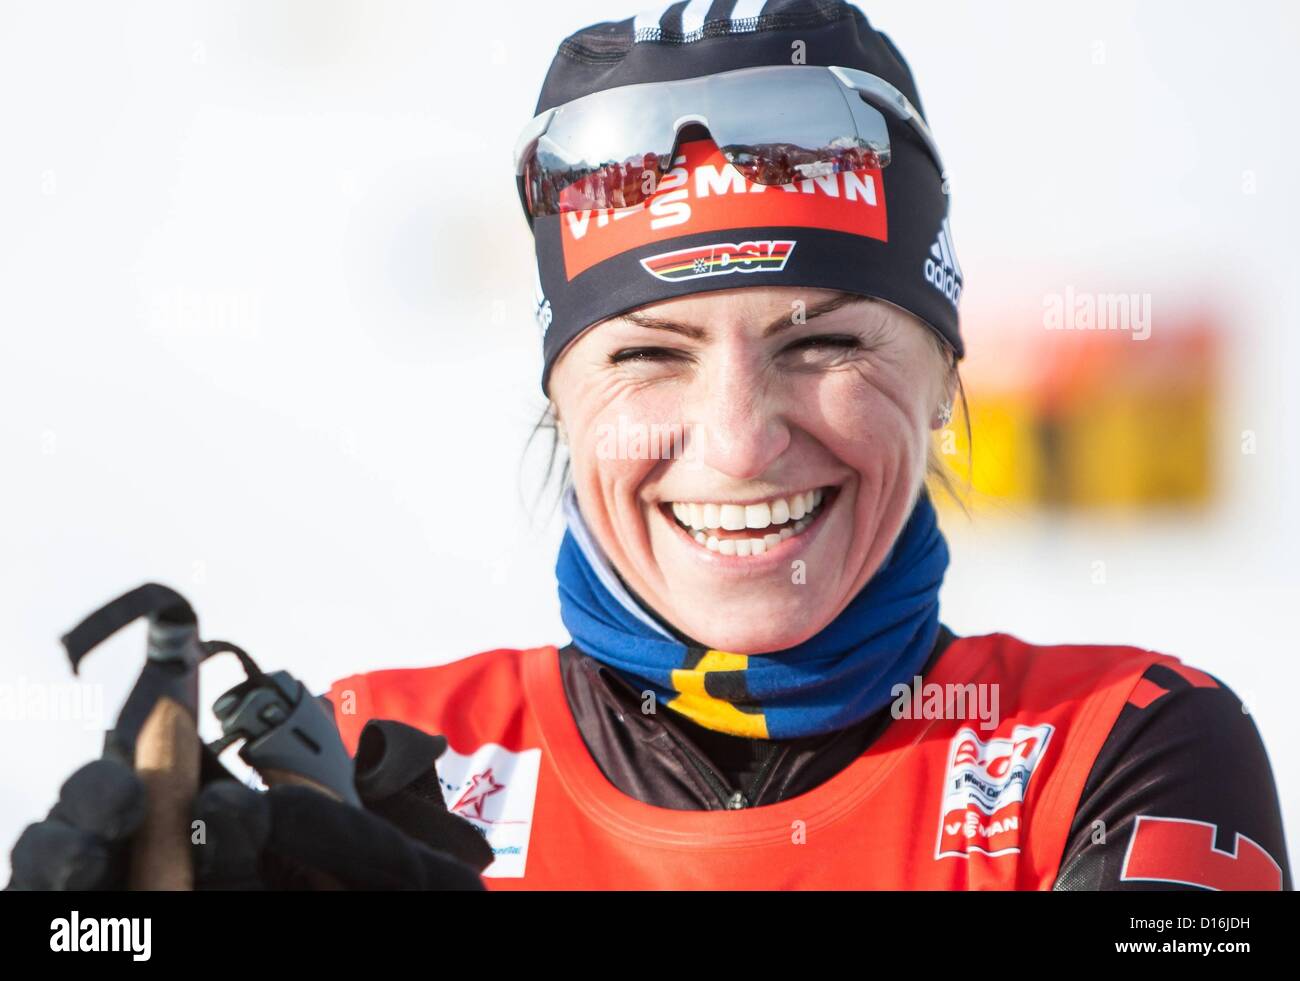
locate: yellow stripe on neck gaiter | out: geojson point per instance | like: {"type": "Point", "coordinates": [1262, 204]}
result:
{"type": "Point", "coordinates": [713, 713]}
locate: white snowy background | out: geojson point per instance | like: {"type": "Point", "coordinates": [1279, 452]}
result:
{"type": "Point", "coordinates": [265, 328]}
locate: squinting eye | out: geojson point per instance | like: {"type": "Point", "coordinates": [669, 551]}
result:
{"type": "Point", "coordinates": [644, 354]}
{"type": "Point", "coordinates": [839, 342]}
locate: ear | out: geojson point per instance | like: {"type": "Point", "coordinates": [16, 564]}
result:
{"type": "Point", "coordinates": [560, 432]}
{"type": "Point", "coordinates": [943, 412]}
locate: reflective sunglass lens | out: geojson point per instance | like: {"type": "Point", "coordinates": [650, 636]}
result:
{"type": "Point", "coordinates": [612, 186]}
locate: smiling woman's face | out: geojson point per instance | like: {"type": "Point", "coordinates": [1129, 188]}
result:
{"type": "Point", "coordinates": [803, 448]}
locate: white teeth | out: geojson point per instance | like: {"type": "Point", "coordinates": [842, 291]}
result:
{"type": "Point", "coordinates": [797, 508]}
{"type": "Point", "coordinates": [785, 516]}
{"type": "Point", "coordinates": [746, 546]}
{"type": "Point", "coordinates": [732, 516]}
{"type": "Point", "coordinates": [738, 546]}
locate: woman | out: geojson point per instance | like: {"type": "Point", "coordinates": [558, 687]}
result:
{"type": "Point", "coordinates": [746, 364]}
{"type": "Point", "coordinates": [750, 332]}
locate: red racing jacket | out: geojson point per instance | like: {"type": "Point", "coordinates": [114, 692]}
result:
{"type": "Point", "coordinates": [1104, 767]}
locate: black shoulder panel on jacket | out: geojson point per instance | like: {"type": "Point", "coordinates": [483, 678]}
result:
{"type": "Point", "coordinates": [1180, 796]}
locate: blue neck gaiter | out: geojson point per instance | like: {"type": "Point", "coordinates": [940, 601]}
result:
{"type": "Point", "coordinates": [836, 678]}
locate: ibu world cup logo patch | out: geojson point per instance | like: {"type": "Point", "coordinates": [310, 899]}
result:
{"type": "Point", "coordinates": [495, 790]}
{"type": "Point", "coordinates": [984, 791]}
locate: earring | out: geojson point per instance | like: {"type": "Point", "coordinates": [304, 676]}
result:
{"type": "Point", "coordinates": [945, 414]}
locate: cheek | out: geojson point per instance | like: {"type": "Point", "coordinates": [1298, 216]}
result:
{"type": "Point", "coordinates": [612, 437]}
{"type": "Point", "coordinates": [868, 421]}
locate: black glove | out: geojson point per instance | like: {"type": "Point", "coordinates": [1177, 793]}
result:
{"type": "Point", "coordinates": [84, 842]}
{"type": "Point", "coordinates": [297, 838]}
{"type": "Point", "coordinates": [289, 837]}
{"type": "Point", "coordinates": [396, 778]}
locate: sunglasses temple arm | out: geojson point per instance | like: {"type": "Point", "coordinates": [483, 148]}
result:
{"type": "Point", "coordinates": [879, 94]}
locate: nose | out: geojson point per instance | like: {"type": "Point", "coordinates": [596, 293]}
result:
{"type": "Point", "coordinates": [742, 424]}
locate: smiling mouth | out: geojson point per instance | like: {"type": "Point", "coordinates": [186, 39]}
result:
{"type": "Point", "coordinates": [749, 529]}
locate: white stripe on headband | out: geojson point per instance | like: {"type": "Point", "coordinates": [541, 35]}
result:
{"type": "Point", "coordinates": [693, 16]}
{"type": "Point", "coordinates": [952, 249]}
{"type": "Point", "coordinates": [648, 24]}
{"type": "Point", "coordinates": [745, 10]}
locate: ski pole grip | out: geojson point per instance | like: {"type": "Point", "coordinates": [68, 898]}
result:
{"type": "Point", "coordinates": [167, 761]}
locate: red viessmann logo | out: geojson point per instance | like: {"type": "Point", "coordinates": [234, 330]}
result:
{"type": "Point", "coordinates": [719, 259]}
{"type": "Point", "coordinates": [704, 193]}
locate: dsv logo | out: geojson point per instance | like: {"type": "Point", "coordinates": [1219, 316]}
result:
{"type": "Point", "coordinates": [719, 259]}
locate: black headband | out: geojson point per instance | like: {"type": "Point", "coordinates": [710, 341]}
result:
{"type": "Point", "coordinates": [883, 234]}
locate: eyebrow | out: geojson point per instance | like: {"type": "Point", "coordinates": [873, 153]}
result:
{"type": "Point", "coordinates": [696, 333]}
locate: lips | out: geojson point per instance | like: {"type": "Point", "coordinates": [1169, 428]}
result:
{"type": "Point", "coordinates": [725, 527]}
